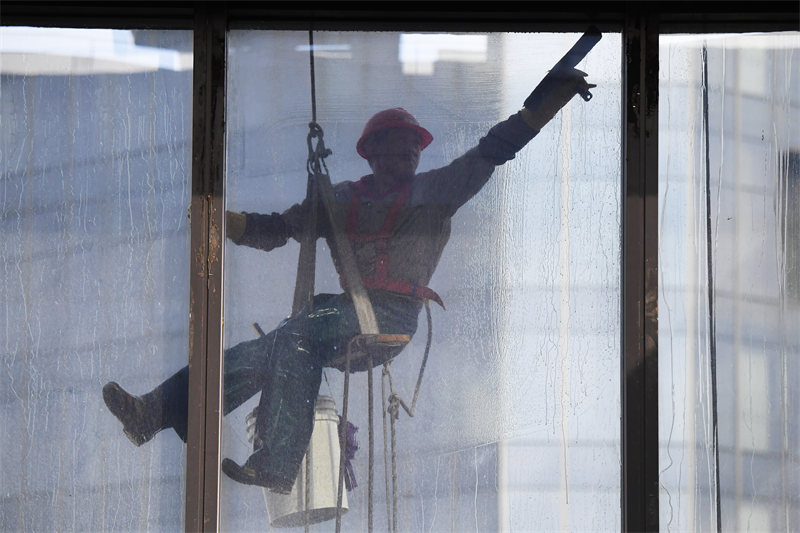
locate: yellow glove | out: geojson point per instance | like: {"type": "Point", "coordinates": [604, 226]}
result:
{"type": "Point", "coordinates": [234, 225]}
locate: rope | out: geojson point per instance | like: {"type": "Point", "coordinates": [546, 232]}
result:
{"type": "Point", "coordinates": [307, 495]}
{"type": "Point", "coordinates": [393, 410]}
{"type": "Point", "coordinates": [386, 453]}
{"type": "Point", "coordinates": [371, 475]}
{"type": "Point", "coordinates": [316, 156]}
{"type": "Point", "coordinates": [394, 473]}
{"type": "Point", "coordinates": [342, 441]}
{"type": "Point", "coordinates": [315, 165]}
{"type": "Point", "coordinates": [311, 70]}
{"type": "Point", "coordinates": [395, 399]}
{"type": "Point", "coordinates": [304, 289]}
{"type": "Point", "coordinates": [711, 318]}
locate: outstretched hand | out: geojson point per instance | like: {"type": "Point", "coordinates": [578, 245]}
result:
{"type": "Point", "coordinates": [553, 93]}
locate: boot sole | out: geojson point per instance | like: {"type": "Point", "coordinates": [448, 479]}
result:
{"type": "Point", "coordinates": [249, 476]}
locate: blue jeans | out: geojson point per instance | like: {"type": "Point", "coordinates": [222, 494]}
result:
{"type": "Point", "coordinates": [286, 365]}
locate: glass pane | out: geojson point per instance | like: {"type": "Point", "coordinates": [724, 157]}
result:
{"type": "Point", "coordinates": [94, 255]}
{"type": "Point", "coordinates": [517, 421]}
{"type": "Point", "coordinates": [729, 186]}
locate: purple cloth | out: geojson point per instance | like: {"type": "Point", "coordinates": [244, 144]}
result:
{"type": "Point", "coordinates": [350, 448]}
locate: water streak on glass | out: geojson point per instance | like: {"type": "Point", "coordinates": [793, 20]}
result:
{"type": "Point", "coordinates": [95, 161]}
{"type": "Point", "coordinates": [729, 301]}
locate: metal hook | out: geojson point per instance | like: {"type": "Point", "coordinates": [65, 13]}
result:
{"type": "Point", "coordinates": [316, 155]}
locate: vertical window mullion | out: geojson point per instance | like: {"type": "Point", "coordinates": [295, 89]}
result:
{"type": "Point", "coordinates": [640, 276]}
{"type": "Point", "coordinates": [207, 240]}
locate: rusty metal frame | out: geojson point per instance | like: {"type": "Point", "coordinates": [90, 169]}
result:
{"type": "Point", "coordinates": [206, 280]}
{"type": "Point", "coordinates": [639, 381]}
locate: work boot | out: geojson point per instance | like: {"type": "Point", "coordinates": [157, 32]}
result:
{"type": "Point", "coordinates": [141, 416]}
{"type": "Point", "coordinates": [251, 474]}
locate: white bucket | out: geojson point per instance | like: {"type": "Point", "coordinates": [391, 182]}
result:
{"type": "Point", "coordinates": [322, 457]}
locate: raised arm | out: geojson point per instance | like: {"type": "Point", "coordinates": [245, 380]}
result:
{"type": "Point", "coordinates": [453, 185]}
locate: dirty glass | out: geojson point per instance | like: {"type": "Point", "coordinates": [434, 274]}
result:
{"type": "Point", "coordinates": [94, 191]}
{"type": "Point", "coordinates": [516, 427]}
{"type": "Point", "coordinates": [729, 193]}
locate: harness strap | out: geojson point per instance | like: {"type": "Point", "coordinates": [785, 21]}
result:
{"type": "Point", "coordinates": [360, 188]}
{"type": "Point", "coordinates": [381, 279]}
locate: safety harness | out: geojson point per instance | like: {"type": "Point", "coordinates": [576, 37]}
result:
{"type": "Point", "coordinates": [380, 239]}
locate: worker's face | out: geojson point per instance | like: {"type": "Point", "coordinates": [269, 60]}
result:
{"type": "Point", "coordinates": [394, 155]}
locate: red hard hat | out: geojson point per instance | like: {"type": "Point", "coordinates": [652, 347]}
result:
{"type": "Point", "coordinates": [392, 118]}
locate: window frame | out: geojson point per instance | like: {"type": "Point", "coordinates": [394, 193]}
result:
{"type": "Point", "coordinates": [641, 23]}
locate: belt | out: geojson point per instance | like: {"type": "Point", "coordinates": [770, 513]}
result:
{"type": "Point", "coordinates": [403, 287]}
